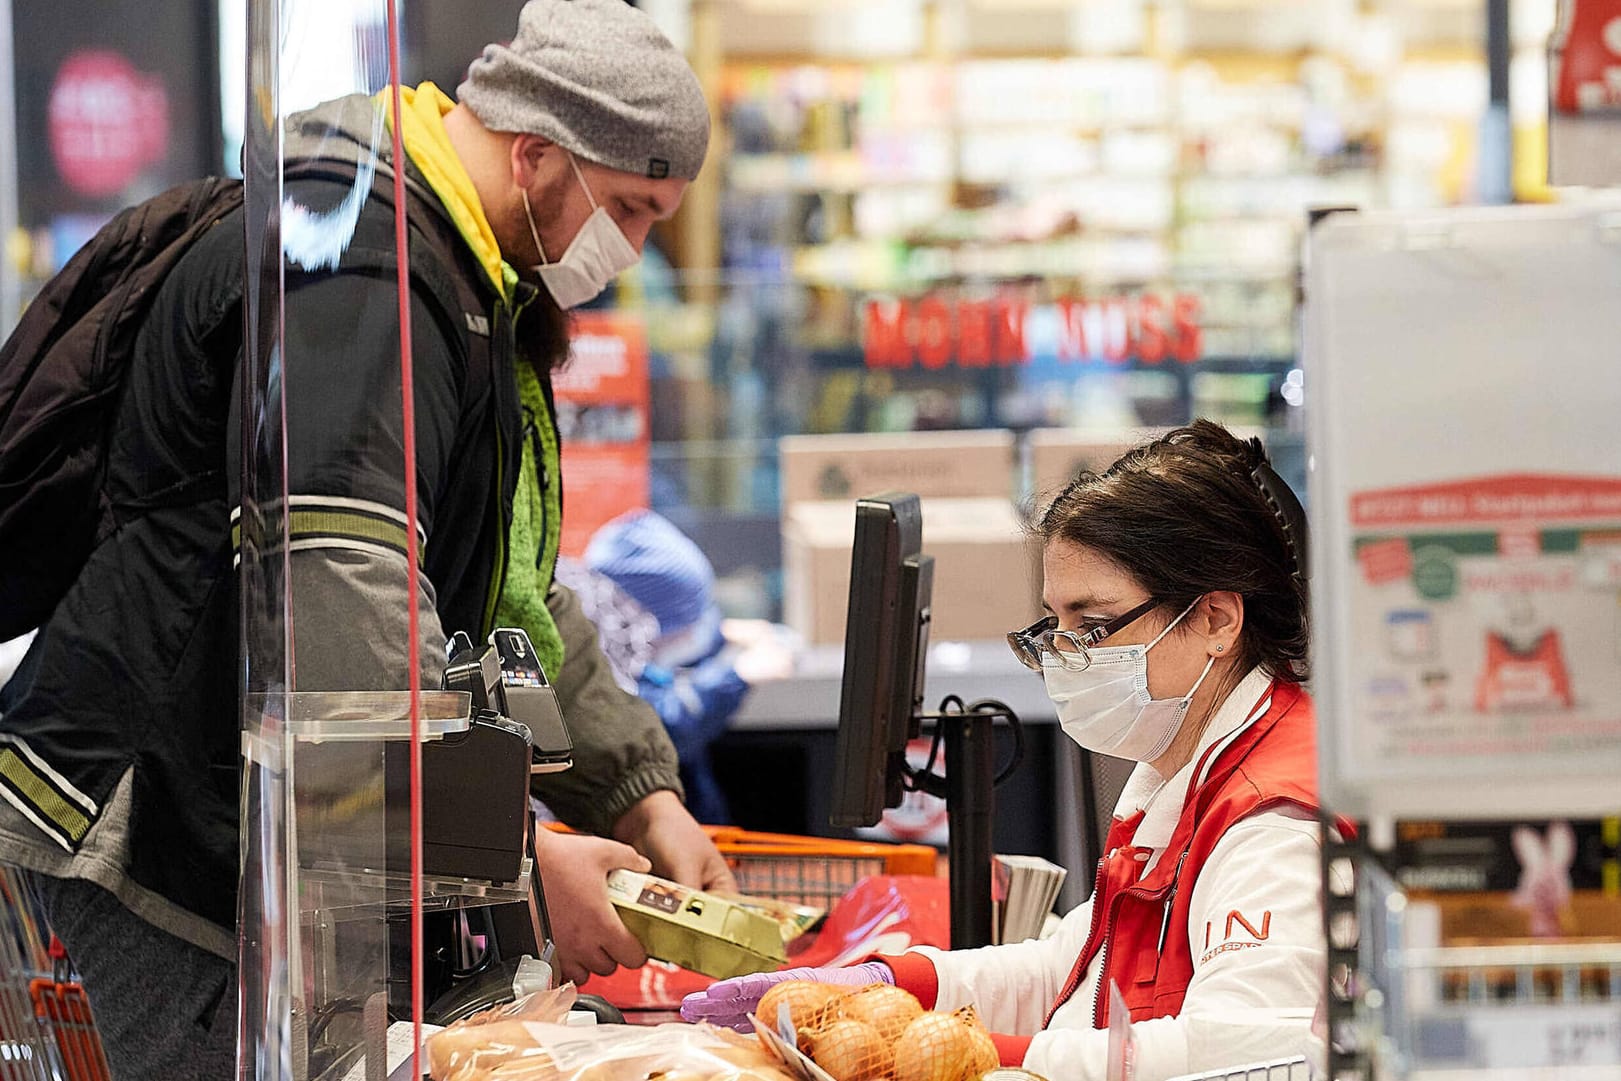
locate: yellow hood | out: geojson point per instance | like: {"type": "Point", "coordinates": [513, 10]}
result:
{"type": "Point", "coordinates": [429, 147]}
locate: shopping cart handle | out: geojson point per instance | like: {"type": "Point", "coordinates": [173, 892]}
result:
{"type": "Point", "coordinates": [60, 968]}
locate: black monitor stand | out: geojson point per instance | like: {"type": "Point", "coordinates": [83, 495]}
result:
{"type": "Point", "coordinates": [968, 789]}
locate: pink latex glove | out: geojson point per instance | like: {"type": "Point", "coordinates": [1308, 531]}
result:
{"type": "Point", "coordinates": [728, 1003]}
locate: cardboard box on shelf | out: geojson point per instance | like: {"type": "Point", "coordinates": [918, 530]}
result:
{"type": "Point", "coordinates": [958, 465]}
{"type": "Point", "coordinates": [987, 570]}
{"type": "Point", "coordinates": [1058, 454]}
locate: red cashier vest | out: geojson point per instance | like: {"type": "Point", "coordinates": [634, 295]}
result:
{"type": "Point", "coordinates": [1141, 926]}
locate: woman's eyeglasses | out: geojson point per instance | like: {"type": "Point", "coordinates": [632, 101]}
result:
{"type": "Point", "coordinates": [1070, 647]}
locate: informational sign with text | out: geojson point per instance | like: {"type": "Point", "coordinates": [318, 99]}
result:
{"type": "Point", "coordinates": [1466, 511]}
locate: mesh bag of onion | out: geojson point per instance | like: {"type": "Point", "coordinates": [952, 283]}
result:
{"type": "Point", "coordinates": [881, 1033]}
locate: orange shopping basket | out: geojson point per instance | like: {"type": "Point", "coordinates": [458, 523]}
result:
{"type": "Point", "coordinates": [813, 870]}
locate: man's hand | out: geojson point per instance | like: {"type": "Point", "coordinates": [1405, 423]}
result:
{"type": "Point", "coordinates": [661, 828]}
{"type": "Point", "coordinates": [588, 932]}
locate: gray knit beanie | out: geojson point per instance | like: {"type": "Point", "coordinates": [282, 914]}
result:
{"type": "Point", "coordinates": [597, 78]}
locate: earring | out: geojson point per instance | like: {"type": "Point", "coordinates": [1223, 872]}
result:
{"type": "Point", "coordinates": [1220, 648]}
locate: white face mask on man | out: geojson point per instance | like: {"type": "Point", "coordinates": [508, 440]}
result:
{"type": "Point", "coordinates": [1106, 707]}
{"type": "Point", "coordinates": [598, 253]}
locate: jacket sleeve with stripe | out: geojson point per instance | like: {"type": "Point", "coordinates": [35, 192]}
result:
{"type": "Point", "coordinates": [345, 477]}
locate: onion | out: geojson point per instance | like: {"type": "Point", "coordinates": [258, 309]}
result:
{"type": "Point", "coordinates": [851, 1051]}
{"type": "Point", "coordinates": [887, 1008]}
{"type": "Point", "coordinates": [935, 1047]}
{"type": "Point", "coordinates": [807, 1004]}
{"type": "Point", "coordinates": [985, 1055]}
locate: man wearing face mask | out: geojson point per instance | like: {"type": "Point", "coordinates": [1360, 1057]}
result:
{"type": "Point", "coordinates": [1177, 638]}
{"type": "Point", "coordinates": [526, 197]}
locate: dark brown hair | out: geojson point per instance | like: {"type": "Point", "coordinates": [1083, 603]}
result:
{"type": "Point", "coordinates": [543, 334]}
{"type": "Point", "coordinates": [1196, 512]}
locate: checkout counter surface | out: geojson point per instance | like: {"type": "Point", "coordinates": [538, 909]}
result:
{"type": "Point", "coordinates": [971, 670]}
{"type": "Point", "coordinates": [1039, 811]}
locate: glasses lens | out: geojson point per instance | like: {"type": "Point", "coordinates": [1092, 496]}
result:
{"type": "Point", "coordinates": [1024, 649]}
{"type": "Point", "coordinates": [1066, 646]}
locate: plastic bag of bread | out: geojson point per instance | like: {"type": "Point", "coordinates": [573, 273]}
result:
{"type": "Point", "coordinates": [470, 1048]}
{"type": "Point", "coordinates": [539, 1051]}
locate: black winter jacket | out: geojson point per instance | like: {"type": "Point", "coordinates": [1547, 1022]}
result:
{"type": "Point", "coordinates": [123, 720]}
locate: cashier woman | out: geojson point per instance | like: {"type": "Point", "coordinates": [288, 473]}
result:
{"type": "Point", "coordinates": [1176, 637]}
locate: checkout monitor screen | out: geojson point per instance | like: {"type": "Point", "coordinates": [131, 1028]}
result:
{"type": "Point", "coordinates": [885, 645]}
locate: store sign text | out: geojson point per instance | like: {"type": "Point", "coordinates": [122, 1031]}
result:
{"type": "Point", "coordinates": [932, 332]}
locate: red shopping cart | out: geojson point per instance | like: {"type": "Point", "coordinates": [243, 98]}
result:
{"type": "Point", "coordinates": [46, 1031]}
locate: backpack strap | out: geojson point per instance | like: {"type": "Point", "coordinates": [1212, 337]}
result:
{"type": "Point", "coordinates": [456, 297]}
{"type": "Point", "coordinates": [455, 301]}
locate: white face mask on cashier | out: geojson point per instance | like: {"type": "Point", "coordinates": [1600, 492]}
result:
{"type": "Point", "coordinates": [598, 253]}
{"type": "Point", "coordinates": [1106, 707]}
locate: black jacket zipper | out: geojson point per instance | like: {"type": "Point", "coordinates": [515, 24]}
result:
{"type": "Point", "coordinates": [500, 385]}
{"type": "Point", "coordinates": [543, 480]}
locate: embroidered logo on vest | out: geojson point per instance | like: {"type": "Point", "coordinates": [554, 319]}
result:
{"type": "Point", "coordinates": [1229, 944]}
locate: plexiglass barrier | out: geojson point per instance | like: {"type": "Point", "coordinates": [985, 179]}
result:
{"type": "Point", "coordinates": [326, 578]}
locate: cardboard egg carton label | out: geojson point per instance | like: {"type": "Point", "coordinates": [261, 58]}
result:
{"type": "Point", "coordinates": [718, 936]}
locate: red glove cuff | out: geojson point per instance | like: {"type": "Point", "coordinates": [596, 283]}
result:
{"type": "Point", "coordinates": [1012, 1049]}
{"type": "Point", "coordinates": [915, 973]}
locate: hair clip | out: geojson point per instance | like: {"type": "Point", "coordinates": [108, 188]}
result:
{"type": "Point", "coordinates": [1286, 508]}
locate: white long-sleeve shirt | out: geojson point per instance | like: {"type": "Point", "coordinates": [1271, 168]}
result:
{"type": "Point", "coordinates": [1255, 932]}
